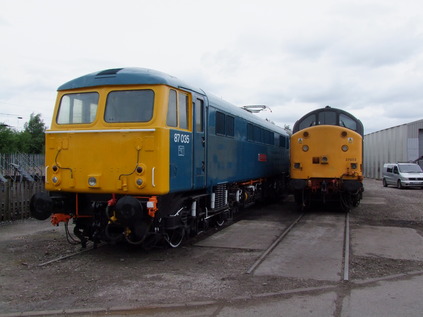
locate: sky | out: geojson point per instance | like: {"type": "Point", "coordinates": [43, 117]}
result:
{"type": "Point", "coordinates": [365, 57]}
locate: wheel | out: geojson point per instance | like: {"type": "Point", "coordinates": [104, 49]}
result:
{"type": "Point", "coordinates": [385, 184]}
{"type": "Point", "coordinates": [220, 220]}
{"type": "Point", "coordinates": [399, 184]}
{"type": "Point", "coordinates": [356, 201]}
{"type": "Point", "coordinates": [175, 237]}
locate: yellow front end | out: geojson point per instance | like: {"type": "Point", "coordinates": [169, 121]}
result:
{"type": "Point", "coordinates": [326, 151]}
{"type": "Point", "coordinates": [129, 158]}
{"type": "Point", "coordinates": [108, 162]}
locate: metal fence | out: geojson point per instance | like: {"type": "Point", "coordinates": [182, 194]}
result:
{"type": "Point", "coordinates": [21, 175]}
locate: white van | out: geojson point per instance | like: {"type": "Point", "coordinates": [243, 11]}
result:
{"type": "Point", "coordinates": [402, 175]}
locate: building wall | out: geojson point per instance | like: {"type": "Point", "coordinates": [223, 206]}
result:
{"type": "Point", "coordinates": [403, 143]}
{"type": "Point", "coordinates": [415, 140]}
{"type": "Point", "coordinates": [389, 145]}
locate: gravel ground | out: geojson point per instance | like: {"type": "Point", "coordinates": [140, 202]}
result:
{"type": "Point", "coordinates": [127, 276]}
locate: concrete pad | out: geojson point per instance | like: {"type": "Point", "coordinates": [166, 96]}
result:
{"type": "Point", "coordinates": [314, 305]}
{"type": "Point", "coordinates": [313, 250]}
{"type": "Point", "coordinates": [387, 242]}
{"type": "Point", "coordinates": [373, 201]}
{"type": "Point", "coordinates": [20, 228]}
{"type": "Point", "coordinates": [389, 298]}
{"type": "Point", "coordinates": [245, 234]}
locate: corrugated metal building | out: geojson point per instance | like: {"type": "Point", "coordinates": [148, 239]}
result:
{"type": "Point", "coordinates": [403, 143]}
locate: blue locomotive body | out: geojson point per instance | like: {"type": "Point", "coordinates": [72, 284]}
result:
{"type": "Point", "coordinates": [194, 158]}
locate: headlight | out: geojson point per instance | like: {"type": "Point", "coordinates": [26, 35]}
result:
{"type": "Point", "coordinates": [92, 181]}
{"type": "Point", "coordinates": [344, 148]}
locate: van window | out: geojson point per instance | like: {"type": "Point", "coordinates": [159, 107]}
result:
{"type": "Point", "coordinates": [389, 169]}
{"type": "Point", "coordinates": [410, 168]}
{"type": "Point", "coordinates": [395, 169]}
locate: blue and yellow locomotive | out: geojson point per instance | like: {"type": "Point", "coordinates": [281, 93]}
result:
{"type": "Point", "coordinates": [327, 157]}
{"type": "Point", "coordinates": [137, 155]}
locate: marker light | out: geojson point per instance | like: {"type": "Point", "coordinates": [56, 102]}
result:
{"type": "Point", "coordinates": [344, 148]}
{"type": "Point", "coordinates": [305, 148]}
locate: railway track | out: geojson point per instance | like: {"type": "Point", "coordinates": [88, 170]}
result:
{"type": "Point", "coordinates": [282, 248]}
{"type": "Point", "coordinates": [70, 255]}
{"type": "Point", "coordinates": [273, 245]}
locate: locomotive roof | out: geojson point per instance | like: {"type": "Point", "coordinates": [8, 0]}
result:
{"type": "Point", "coordinates": [138, 76]}
{"type": "Point", "coordinates": [359, 128]}
{"type": "Point", "coordinates": [125, 76]}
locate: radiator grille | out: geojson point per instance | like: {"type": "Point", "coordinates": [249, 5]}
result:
{"type": "Point", "coordinates": [220, 192]}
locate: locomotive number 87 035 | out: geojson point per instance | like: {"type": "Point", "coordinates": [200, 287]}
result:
{"type": "Point", "coordinates": [135, 154]}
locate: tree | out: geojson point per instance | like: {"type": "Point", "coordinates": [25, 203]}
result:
{"type": "Point", "coordinates": [32, 138]}
{"type": "Point", "coordinates": [8, 139]}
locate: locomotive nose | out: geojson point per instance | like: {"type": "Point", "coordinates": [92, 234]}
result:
{"type": "Point", "coordinates": [41, 206]}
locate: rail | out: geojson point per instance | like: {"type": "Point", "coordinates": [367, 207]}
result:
{"type": "Point", "coordinates": [291, 227]}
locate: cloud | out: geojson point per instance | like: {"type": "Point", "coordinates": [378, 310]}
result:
{"type": "Point", "coordinates": [365, 56]}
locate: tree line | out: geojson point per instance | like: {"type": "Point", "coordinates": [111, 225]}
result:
{"type": "Point", "coordinates": [30, 140]}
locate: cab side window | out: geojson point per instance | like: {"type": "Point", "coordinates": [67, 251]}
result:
{"type": "Point", "coordinates": [395, 170]}
{"type": "Point", "coordinates": [178, 110]}
{"type": "Point", "coordinates": [183, 111]}
{"type": "Point", "coordinates": [172, 114]}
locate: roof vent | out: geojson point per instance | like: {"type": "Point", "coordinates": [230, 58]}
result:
{"type": "Point", "coordinates": [109, 72]}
